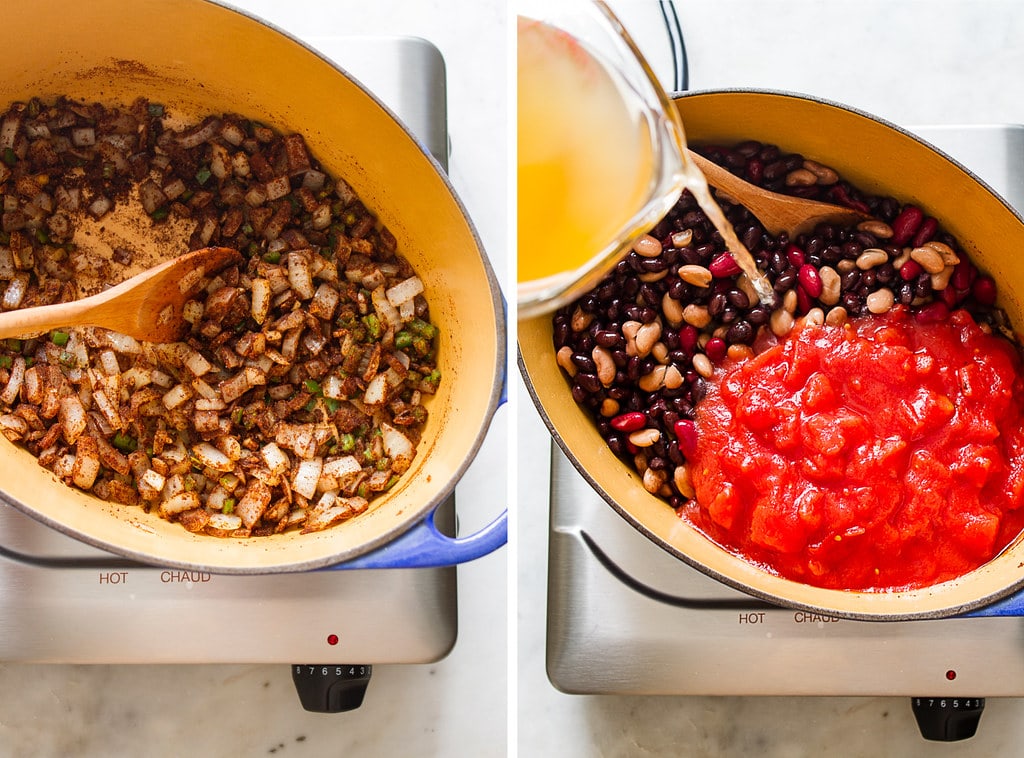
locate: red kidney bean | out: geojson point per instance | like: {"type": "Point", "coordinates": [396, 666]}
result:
{"type": "Point", "coordinates": [716, 349]}
{"type": "Point", "coordinates": [795, 256]}
{"type": "Point", "coordinates": [688, 337]}
{"type": "Point", "coordinates": [723, 266]}
{"type": "Point", "coordinates": [804, 302]}
{"type": "Point", "coordinates": [755, 171]}
{"type": "Point", "coordinates": [934, 311]}
{"type": "Point", "coordinates": [838, 193]}
{"type": "Point", "coordinates": [810, 280]}
{"type": "Point", "coordinates": [910, 271]}
{"type": "Point", "coordinates": [964, 274]}
{"type": "Point", "coordinates": [686, 434]}
{"type": "Point", "coordinates": [926, 232]}
{"type": "Point", "coordinates": [905, 225]}
{"type": "Point", "coordinates": [984, 290]}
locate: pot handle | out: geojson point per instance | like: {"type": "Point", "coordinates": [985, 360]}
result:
{"type": "Point", "coordinates": [424, 546]}
{"type": "Point", "coordinates": [1008, 606]}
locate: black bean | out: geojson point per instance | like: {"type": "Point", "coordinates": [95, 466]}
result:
{"type": "Point", "coordinates": [786, 280]}
{"type": "Point", "coordinates": [739, 299]}
{"type": "Point", "coordinates": [579, 394]}
{"type": "Point", "coordinates": [649, 295]}
{"type": "Point", "coordinates": [886, 273]}
{"type": "Point", "coordinates": [608, 338]}
{"type": "Point", "coordinates": [778, 262]}
{"type": "Point", "coordinates": [618, 392]}
{"type": "Point", "coordinates": [633, 369]}
{"type": "Point", "coordinates": [775, 170]}
{"type": "Point", "coordinates": [617, 445]}
{"type": "Point", "coordinates": [652, 265]}
{"type": "Point", "coordinates": [706, 251]}
{"type": "Point", "coordinates": [850, 280]}
{"type": "Point", "coordinates": [584, 363]}
{"type": "Point", "coordinates": [751, 239]}
{"type": "Point", "coordinates": [853, 302]}
{"type": "Point", "coordinates": [905, 294]}
{"type": "Point", "coordinates": [741, 333]}
{"type": "Point", "coordinates": [717, 303]}
{"type": "Point", "coordinates": [758, 316]}
{"type": "Point", "coordinates": [734, 160]}
{"type": "Point", "coordinates": [698, 389]}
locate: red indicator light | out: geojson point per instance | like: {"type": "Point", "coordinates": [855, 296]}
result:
{"type": "Point", "coordinates": [332, 639]}
{"type": "Point", "coordinates": [951, 675]}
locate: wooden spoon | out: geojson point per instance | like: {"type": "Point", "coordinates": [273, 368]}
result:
{"type": "Point", "coordinates": [777, 213]}
{"type": "Point", "coordinates": [148, 306]}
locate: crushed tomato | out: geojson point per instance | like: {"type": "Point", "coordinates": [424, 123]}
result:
{"type": "Point", "coordinates": [883, 454]}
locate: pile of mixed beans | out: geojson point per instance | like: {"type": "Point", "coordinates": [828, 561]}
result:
{"type": "Point", "coordinates": [640, 347]}
{"type": "Point", "coordinates": [296, 395]}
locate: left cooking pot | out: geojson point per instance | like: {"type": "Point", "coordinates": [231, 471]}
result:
{"type": "Point", "coordinates": [198, 58]}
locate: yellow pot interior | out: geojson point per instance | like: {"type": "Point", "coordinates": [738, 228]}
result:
{"type": "Point", "coordinates": [881, 159]}
{"type": "Point", "coordinates": [198, 58]}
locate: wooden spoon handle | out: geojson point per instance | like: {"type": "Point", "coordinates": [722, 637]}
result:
{"type": "Point", "coordinates": [31, 321]}
{"type": "Point", "coordinates": [777, 213]}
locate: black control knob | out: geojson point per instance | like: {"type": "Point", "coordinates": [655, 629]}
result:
{"type": "Point", "coordinates": [947, 719]}
{"type": "Point", "coordinates": [331, 688]}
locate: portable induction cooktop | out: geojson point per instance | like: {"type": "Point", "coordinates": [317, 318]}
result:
{"type": "Point", "coordinates": [62, 601]}
{"type": "Point", "coordinates": [625, 617]}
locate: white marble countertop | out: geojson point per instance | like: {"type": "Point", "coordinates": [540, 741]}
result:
{"type": "Point", "coordinates": [910, 62]}
{"type": "Point", "coordinates": [456, 706]}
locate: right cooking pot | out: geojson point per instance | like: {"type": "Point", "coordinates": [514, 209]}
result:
{"type": "Point", "coordinates": [880, 159]}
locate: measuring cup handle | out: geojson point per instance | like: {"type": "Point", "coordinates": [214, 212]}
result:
{"type": "Point", "coordinates": [424, 546]}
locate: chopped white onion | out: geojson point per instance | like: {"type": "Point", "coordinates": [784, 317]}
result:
{"type": "Point", "coordinates": [275, 458]}
{"type": "Point", "coordinates": [405, 290]}
{"type": "Point", "coordinates": [306, 476]}
{"type": "Point", "coordinates": [179, 503]}
{"type": "Point", "coordinates": [299, 275]}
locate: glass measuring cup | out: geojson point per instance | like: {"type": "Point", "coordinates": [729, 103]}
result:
{"type": "Point", "coordinates": [600, 149]}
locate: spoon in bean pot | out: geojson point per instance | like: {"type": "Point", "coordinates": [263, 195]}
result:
{"type": "Point", "coordinates": [777, 213]}
{"type": "Point", "coordinates": [149, 306]}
